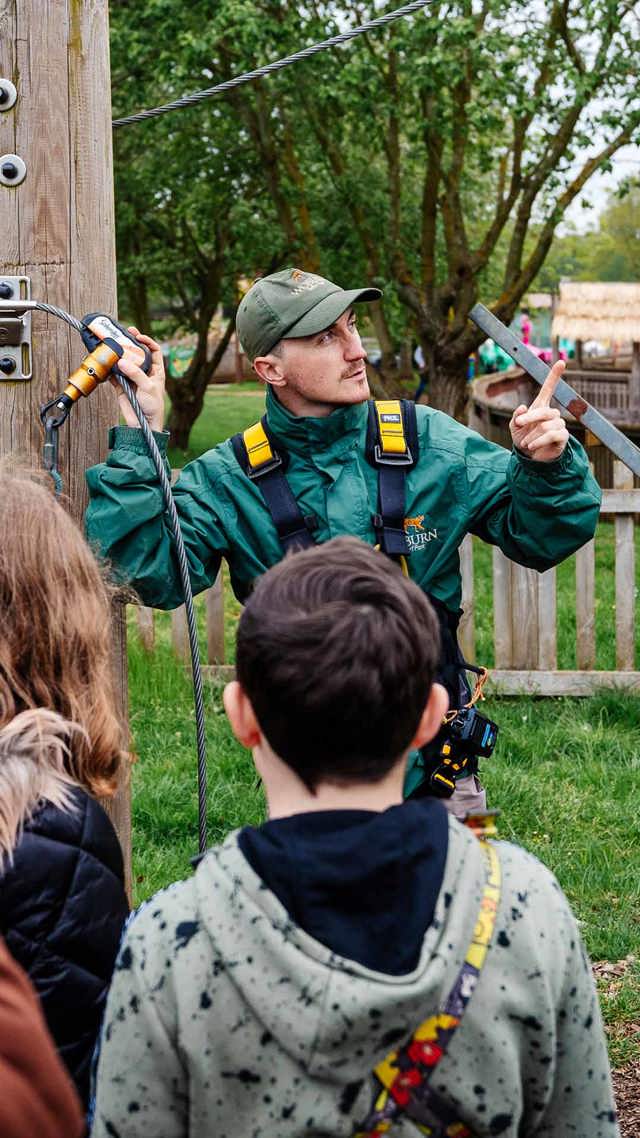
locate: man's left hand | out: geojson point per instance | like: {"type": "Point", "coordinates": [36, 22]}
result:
{"type": "Point", "coordinates": [540, 432]}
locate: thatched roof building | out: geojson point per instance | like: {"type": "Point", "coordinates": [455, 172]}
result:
{"type": "Point", "coordinates": [598, 310]}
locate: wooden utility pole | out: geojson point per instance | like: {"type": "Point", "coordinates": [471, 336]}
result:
{"type": "Point", "coordinates": [57, 228]}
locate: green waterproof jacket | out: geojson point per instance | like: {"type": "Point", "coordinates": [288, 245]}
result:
{"type": "Point", "coordinates": [538, 513]}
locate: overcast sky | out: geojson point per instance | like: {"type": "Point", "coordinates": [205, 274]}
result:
{"type": "Point", "coordinates": [626, 163]}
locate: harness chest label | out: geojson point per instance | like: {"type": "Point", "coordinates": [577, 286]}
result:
{"type": "Point", "coordinates": [416, 533]}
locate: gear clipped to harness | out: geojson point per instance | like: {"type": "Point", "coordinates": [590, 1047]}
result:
{"type": "Point", "coordinates": [392, 449]}
{"type": "Point", "coordinates": [465, 737]}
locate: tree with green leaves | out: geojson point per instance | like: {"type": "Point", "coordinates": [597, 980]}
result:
{"type": "Point", "coordinates": [436, 156]}
{"type": "Point", "coordinates": [608, 252]}
{"type": "Point", "coordinates": [191, 211]}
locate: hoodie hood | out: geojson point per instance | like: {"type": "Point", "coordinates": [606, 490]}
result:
{"type": "Point", "coordinates": [225, 1016]}
{"type": "Point", "coordinates": [322, 994]}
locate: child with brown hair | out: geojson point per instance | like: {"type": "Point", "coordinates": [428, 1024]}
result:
{"type": "Point", "coordinates": [62, 897]}
{"type": "Point", "coordinates": [312, 979]}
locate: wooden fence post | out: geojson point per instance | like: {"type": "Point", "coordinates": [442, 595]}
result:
{"type": "Point", "coordinates": [586, 606]}
{"type": "Point", "coordinates": [625, 576]}
{"type": "Point", "coordinates": [215, 620]}
{"type": "Point", "coordinates": [502, 638]}
{"type": "Point", "coordinates": [57, 228]}
{"type": "Point", "coordinates": [524, 617]}
{"type": "Point", "coordinates": [146, 627]}
{"type": "Point", "coordinates": [466, 630]}
{"type": "Point", "coordinates": [547, 621]}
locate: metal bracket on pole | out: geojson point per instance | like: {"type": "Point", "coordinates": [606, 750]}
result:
{"type": "Point", "coordinates": [567, 396]}
{"type": "Point", "coordinates": [15, 329]}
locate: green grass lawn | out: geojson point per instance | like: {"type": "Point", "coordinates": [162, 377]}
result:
{"type": "Point", "coordinates": [564, 773]}
{"type": "Point", "coordinates": [227, 408]}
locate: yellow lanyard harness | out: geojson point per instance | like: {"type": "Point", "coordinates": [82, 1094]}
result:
{"type": "Point", "coordinates": [392, 448]}
{"type": "Point", "coordinates": [404, 1075]}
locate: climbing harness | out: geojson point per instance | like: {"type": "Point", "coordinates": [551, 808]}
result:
{"type": "Point", "coordinates": [277, 65]}
{"type": "Point", "coordinates": [392, 448]}
{"type": "Point", "coordinates": [404, 1076]}
{"type": "Point", "coordinates": [256, 452]}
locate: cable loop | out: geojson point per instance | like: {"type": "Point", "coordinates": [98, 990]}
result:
{"type": "Point", "coordinates": [277, 65]}
{"type": "Point", "coordinates": [183, 568]}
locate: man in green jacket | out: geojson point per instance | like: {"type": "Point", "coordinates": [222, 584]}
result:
{"type": "Point", "coordinates": [538, 504]}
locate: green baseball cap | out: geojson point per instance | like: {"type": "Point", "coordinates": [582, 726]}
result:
{"type": "Point", "coordinates": [291, 303]}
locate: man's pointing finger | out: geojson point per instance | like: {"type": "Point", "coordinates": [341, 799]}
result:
{"type": "Point", "coordinates": [546, 392]}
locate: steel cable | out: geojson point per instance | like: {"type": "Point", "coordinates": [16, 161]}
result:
{"type": "Point", "coordinates": [277, 65]}
{"type": "Point", "coordinates": [185, 581]}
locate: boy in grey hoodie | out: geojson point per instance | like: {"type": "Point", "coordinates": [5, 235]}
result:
{"type": "Point", "coordinates": [351, 933]}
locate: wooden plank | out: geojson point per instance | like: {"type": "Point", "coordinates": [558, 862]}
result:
{"type": "Point", "coordinates": [620, 501]}
{"type": "Point", "coordinates": [586, 606]}
{"type": "Point", "coordinates": [634, 378]}
{"type": "Point", "coordinates": [625, 576]}
{"type": "Point", "coordinates": [180, 633]}
{"type": "Point", "coordinates": [466, 630]}
{"type": "Point", "coordinates": [505, 681]}
{"type": "Point", "coordinates": [214, 598]}
{"type": "Point", "coordinates": [524, 617]}
{"type": "Point", "coordinates": [574, 683]}
{"type": "Point", "coordinates": [502, 640]}
{"type": "Point", "coordinates": [146, 627]}
{"type": "Point", "coordinates": [219, 673]}
{"type": "Point", "coordinates": [547, 620]}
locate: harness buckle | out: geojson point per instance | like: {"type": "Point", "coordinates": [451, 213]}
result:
{"type": "Point", "coordinates": [265, 467]}
{"type": "Point", "coordinates": [405, 459]}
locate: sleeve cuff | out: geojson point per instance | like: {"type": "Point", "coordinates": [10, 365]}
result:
{"type": "Point", "coordinates": [556, 466]}
{"type": "Point", "coordinates": [132, 439]}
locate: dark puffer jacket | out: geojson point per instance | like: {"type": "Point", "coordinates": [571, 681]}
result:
{"type": "Point", "coordinates": [62, 910]}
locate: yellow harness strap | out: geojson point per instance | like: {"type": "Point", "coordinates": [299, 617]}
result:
{"type": "Point", "coordinates": [257, 446]}
{"type": "Point", "coordinates": [391, 435]}
{"type": "Point", "coordinates": [403, 1075]}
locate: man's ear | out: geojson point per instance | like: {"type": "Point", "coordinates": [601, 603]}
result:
{"type": "Point", "coordinates": [241, 715]}
{"type": "Point", "coordinates": [431, 720]}
{"type": "Point", "coordinates": [269, 370]}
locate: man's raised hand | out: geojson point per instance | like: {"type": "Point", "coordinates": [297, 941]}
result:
{"type": "Point", "coordinates": [149, 388]}
{"type": "Point", "coordinates": [540, 431]}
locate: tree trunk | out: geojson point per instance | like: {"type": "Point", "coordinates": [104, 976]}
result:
{"type": "Point", "coordinates": [187, 392]}
{"type": "Point", "coordinates": [448, 390]}
{"type": "Point", "coordinates": [186, 405]}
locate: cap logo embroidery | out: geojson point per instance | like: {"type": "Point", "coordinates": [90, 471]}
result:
{"type": "Point", "coordinates": [304, 281]}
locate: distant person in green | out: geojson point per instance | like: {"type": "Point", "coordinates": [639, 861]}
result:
{"type": "Point", "coordinates": [538, 503]}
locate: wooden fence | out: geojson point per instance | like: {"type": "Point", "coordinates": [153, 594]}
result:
{"type": "Point", "coordinates": [524, 615]}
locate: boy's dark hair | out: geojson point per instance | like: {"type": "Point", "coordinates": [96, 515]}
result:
{"type": "Point", "coordinates": [337, 651]}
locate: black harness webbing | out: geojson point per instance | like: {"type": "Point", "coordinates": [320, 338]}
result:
{"type": "Point", "coordinates": [392, 448]}
{"type": "Point", "coordinates": [264, 465]}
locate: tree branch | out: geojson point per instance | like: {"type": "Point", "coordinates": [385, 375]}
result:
{"type": "Point", "coordinates": [511, 294]}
